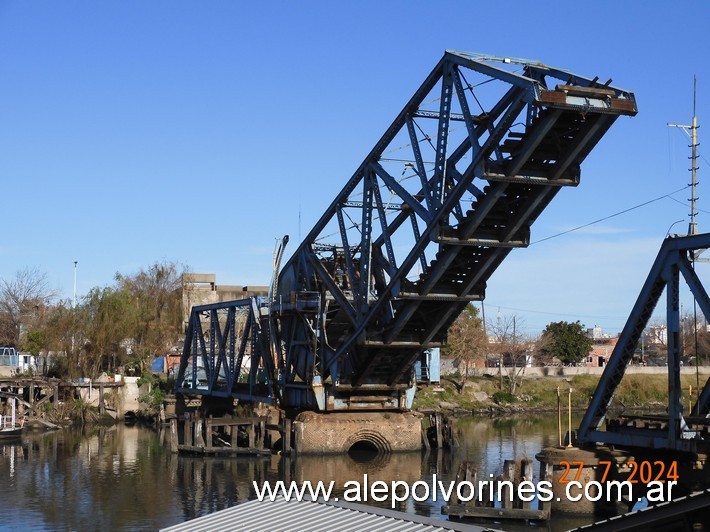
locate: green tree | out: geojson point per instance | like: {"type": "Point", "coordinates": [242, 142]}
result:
{"type": "Point", "coordinates": [565, 341]}
{"type": "Point", "coordinates": [156, 295]}
{"type": "Point", "coordinates": [34, 341]}
{"type": "Point", "coordinates": [143, 311]}
{"type": "Point", "coordinates": [61, 333]}
{"type": "Point", "coordinates": [108, 317]}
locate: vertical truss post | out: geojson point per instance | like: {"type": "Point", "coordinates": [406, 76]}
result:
{"type": "Point", "coordinates": [675, 403]}
{"type": "Point", "coordinates": [671, 261]}
{"type": "Point", "coordinates": [349, 298]}
{"type": "Point", "coordinates": [443, 133]}
{"type": "Point", "coordinates": [365, 244]}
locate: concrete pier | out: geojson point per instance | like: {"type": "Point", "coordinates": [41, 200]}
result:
{"type": "Point", "coordinates": [573, 470]}
{"type": "Point", "coordinates": [316, 433]}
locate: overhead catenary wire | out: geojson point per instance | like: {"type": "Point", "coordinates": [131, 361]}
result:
{"type": "Point", "coordinates": [470, 88]}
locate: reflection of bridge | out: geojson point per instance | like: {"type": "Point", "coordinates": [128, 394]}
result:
{"type": "Point", "coordinates": [452, 187]}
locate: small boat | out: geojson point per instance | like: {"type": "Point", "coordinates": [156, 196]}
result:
{"type": "Point", "coordinates": [11, 426]}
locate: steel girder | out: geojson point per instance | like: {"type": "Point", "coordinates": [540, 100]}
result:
{"type": "Point", "coordinates": [434, 208]}
{"type": "Point", "coordinates": [673, 259]}
{"type": "Point", "coordinates": [226, 353]}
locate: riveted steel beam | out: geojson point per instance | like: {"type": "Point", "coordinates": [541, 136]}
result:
{"type": "Point", "coordinates": [359, 299]}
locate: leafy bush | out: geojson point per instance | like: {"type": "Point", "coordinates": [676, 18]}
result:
{"type": "Point", "coordinates": [158, 390]}
{"type": "Point", "coordinates": [501, 397]}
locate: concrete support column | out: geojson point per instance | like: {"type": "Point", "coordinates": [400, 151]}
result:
{"type": "Point", "coordinates": [337, 432]}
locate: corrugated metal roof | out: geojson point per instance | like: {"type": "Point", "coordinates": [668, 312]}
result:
{"type": "Point", "coordinates": [285, 515]}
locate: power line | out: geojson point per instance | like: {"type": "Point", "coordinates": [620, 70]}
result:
{"type": "Point", "coordinates": [611, 215]}
{"type": "Point", "coordinates": [684, 204]}
{"type": "Point", "coordinates": [562, 314]}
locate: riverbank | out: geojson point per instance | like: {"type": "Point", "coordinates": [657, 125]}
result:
{"type": "Point", "coordinates": [483, 394]}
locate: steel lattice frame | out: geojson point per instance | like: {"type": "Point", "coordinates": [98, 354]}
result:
{"type": "Point", "coordinates": [226, 353]}
{"type": "Point", "coordinates": [673, 260]}
{"type": "Point", "coordinates": [361, 297]}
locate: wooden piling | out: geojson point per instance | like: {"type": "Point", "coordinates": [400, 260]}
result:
{"type": "Point", "coordinates": [425, 439]}
{"type": "Point", "coordinates": [252, 436]}
{"type": "Point", "coordinates": [508, 477]}
{"type": "Point", "coordinates": [208, 434]}
{"type": "Point", "coordinates": [198, 440]}
{"type": "Point", "coordinates": [261, 433]}
{"type": "Point", "coordinates": [286, 435]}
{"type": "Point", "coordinates": [173, 436]}
{"type": "Point", "coordinates": [545, 474]}
{"type": "Point", "coordinates": [439, 435]}
{"type": "Point", "coordinates": [234, 440]}
{"type": "Point", "coordinates": [102, 406]}
{"type": "Point", "coordinates": [220, 435]}
{"type": "Point", "coordinates": [187, 430]}
{"type": "Point", "coordinates": [484, 506]}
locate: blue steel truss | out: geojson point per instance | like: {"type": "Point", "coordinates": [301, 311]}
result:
{"type": "Point", "coordinates": [675, 432]}
{"type": "Point", "coordinates": [226, 353]}
{"type": "Point", "coordinates": [449, 190]}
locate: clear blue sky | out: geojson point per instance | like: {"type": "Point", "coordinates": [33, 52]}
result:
{"type": "Point", "coordinates": [133, 131]}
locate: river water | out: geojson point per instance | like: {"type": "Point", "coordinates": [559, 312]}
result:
{"type": "Point", "coordinates": [125, 478]}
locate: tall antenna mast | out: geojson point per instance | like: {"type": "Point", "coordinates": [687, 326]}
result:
{"type": "Point", "coordinates": [692, 132]}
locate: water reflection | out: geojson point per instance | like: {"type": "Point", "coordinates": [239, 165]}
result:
{"type": "Point", "coordinates": [123, 477]}
{"type": "Point", "coordinates": [489, 442]}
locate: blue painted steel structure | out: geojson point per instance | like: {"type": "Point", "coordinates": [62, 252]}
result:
{"type": "Point", "coordinates": [229, 357]}
{"type": "Point", "coordinates": [427, 368]}
{"type": "Point", "coordinates": [675, 432]}
{"type": "Point", "coordinates": [449, 190]}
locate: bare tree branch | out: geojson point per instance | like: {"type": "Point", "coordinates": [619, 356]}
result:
{"type": "Point", "coordinates": [21, 300]}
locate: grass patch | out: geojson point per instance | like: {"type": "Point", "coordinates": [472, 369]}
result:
{"type": "Point", "coordinates": [646, 391]}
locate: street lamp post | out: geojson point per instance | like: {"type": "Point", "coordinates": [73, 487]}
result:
{"type": "Point", "coordinates": [75, 263]}
{"type": "Point", "coordinates": [74, 306]}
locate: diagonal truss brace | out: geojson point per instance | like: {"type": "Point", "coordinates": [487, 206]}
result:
{"type": "Point", "coordinates": [216, 365]}
{"type": "Point", "coordinates": [673, 259]}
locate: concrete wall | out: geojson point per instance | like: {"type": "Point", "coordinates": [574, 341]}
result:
{"type": "Point", "coordinates": [336, 433]}
{"type": "Point", "coordinates": [202, 289]}
{"type": "Point", "coordinates": [131, 392]}
{"type": "Point", "coordinates": [128, 395]}
{"type": "Point", "coordinates": [563, 371]}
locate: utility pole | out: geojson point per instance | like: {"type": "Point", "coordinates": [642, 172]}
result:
{"type": "Point", "coordinates": [692, 132]}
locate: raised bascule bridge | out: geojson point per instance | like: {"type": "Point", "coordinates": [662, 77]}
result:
{"type": "Point", "coordinates": [454, 184]}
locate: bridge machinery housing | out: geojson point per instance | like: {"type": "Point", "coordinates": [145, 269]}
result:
{"type": "Point", "coordinates": [452, 186]}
